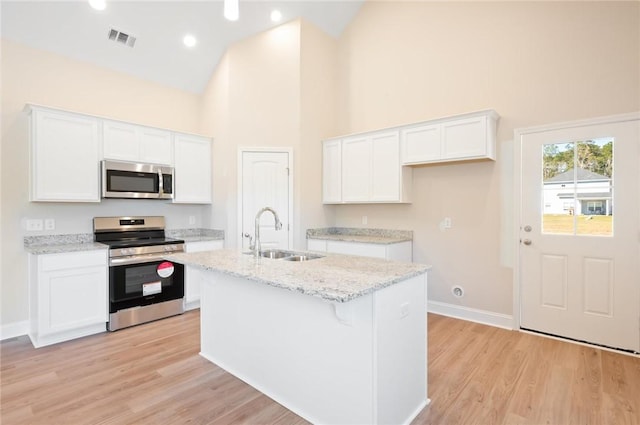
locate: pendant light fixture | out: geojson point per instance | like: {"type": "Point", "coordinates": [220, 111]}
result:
{"type": "Point", "coordinates": [231, 10]}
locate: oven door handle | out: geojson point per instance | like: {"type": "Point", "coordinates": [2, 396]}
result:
{"type": "Point", "coordinates": [138, 259]}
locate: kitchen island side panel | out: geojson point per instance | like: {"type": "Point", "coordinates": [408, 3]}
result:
{"type": "Point", "coordinates": [323, 360]}
{"type": "Point", "coordinates": [292, 347]}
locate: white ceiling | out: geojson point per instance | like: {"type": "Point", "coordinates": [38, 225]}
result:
{"type": "Point", "coordinates": [74, 29]}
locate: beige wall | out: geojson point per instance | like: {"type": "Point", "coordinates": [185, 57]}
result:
{"type": "Point", "coordinates": [265, 93]}
{"type": "Point", "coordinates": [534, 63]}
{"type": "Point", "coordinates": [292, 86]}
{"type": "Point", "coordinates": [35, 76]}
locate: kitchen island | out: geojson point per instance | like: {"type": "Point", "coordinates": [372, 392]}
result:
{"type": "Point", "coordinates": [338, 340]}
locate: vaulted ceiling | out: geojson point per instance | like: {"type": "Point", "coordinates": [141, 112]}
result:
{"type": "Point", "coordinates": [75, 30]}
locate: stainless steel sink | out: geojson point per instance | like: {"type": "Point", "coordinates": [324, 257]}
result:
{"type": "Point", "coordinates": [278, 254]}
{"type": "Point", "coordinates": [305, 257]}
{"type": "Point", "coordinates": [274, 254]}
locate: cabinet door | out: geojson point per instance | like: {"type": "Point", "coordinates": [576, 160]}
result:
{"type": "Point", "coordinates": [421, 144]}
{"type": "Point", "coordinates": [192, 172]}
{"type": "Point", "coordinates": [332, 171]}
{"type": "Point", "coordinates": [464, 138]}
{"type": "Point", "coordinates": [73, 299]}
{"type": "Point", "coordinates": [155, 146]}
{"type": "Point", "coordinates": [356, 169]}
{"type": "Point", "coordinates": [65, 155]}
{"type": "Point", "coordinates": [195, 276]}
{"type": "Point", "coordinates": [385, 163]}
{"type": "Point", "coordinates": [120, 141]}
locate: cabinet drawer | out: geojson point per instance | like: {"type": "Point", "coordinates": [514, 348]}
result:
{"type": "Point", "coordinates": [355, 248]}
{"type": "Point", "coordinates": [204, 246]}
{"type": "Point", "coordinates": [73, 260]}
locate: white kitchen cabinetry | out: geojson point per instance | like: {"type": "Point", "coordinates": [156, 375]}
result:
{"type": "Point", "coordinates": [65, 152]}
{"type": "Point", "coordinates": [332, 171]}
{"type": "Point", "coordinates": [369, 168]}
{"type": "Point", "coordinates": [131, 142]}
{"type": "Point", "coordinates": [192, 169]}
{"type": "Point", "coordinates": [464, 137]}
{"type": "Point", "coordinates": [193, 276]}
{"type": "Point", "coordinates": [68, 296]}
{"type": "Point", "coordinates": [399, 251]}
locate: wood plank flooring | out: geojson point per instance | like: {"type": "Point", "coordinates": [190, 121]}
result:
{"type": "Point", "coordinates": [152, 374]}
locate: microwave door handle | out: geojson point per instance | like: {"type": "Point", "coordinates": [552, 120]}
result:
{"type": "Point", "coordinates": [160, 184]}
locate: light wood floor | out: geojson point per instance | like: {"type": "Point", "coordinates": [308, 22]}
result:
{"type": "Point", "coordinates": [152, 374]}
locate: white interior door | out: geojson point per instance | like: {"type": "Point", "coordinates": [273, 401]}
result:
{"type": "Point", "coordinates": [265, 182]}
{"type": "Point", "coordinates": [579, 250]}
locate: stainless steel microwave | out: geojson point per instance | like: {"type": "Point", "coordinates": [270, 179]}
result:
{"type": "Point", "coordinates": [136, 180]}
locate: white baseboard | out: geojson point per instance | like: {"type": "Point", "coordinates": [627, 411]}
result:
{"type": "Point", "coordinates": [13, 330]}
{"type": "Point", "coordinates": [490, 318]}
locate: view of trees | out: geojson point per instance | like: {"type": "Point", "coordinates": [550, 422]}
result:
{"type": "Point", "coordinates": [592, 155]}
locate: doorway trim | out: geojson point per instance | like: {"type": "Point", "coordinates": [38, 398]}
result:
{"type": "Point", "coordinates": [517, 180]}
{"type": "Point", "coordinates": [241, 151]}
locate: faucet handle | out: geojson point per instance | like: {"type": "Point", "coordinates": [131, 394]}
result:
{"type": "Point", "coordinates": [251, 244]}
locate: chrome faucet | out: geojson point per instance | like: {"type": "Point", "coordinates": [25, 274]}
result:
{"type": "Point", "coordinates": [256, 240]}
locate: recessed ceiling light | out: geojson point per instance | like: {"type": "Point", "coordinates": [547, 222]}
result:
{"type": "Point", "coordinates": [98, 4]}
{"type": "Point", "coordinates": [276, 15]}
{"type": "Point", "coordinates": [189, 40]}
{"type": "Point", "coordinates": [231, 10]}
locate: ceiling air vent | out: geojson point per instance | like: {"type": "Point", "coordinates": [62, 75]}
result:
{"type": "Point", "coordinates": [122, 38]}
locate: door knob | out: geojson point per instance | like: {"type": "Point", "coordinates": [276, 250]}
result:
{"type": "Point", "coordinates": [527, 242]}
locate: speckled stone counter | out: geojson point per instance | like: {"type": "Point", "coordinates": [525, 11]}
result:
{"type": "Point", "coordinates": [56, 244]}
{"type": "Point", "coordinates": [195, 235]}
{"type": "Point", "coordinates": [350, 234]}
{"type": "Point", "coordinates": [334, 277]}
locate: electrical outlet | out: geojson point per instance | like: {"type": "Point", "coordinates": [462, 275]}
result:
{"type": "Point", "coordinates": [447, 223]}
{"type": "Point", "coordinates": [192, 219]}
{"type": "Point", "coordinates": [34, 225]}
{"type": "Point", "coordinates": [49, 224]}
{"type": "Point", "coordinates": [365, 219]}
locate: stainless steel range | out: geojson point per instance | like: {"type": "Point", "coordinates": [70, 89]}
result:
{"type": "Point", "coordinates": [142, 285]}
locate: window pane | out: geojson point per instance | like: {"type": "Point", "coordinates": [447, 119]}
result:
{"type": "Point", "coordinates": [577, 194]}
{"type": "Point", "coordinates": [559, 190]}
{"type": "Point", "coordinates": [594, 194]}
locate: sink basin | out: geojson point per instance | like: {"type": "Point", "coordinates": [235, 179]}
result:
{"type": "Point", "coordinates": [277, 254]}
{"type": "Point", "coordinates": [305, 257]}
{"type": "Point", "coordinates": [274, 254]}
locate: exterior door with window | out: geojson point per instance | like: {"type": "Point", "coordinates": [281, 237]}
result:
{"type": "Point", "coordinates": [579, 218]}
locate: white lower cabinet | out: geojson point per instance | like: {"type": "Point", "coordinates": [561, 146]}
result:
{"type": "Point", "coordinates": [68, 296]}
{"type": "Point", "coordinates": [400, 251]}
{"type": "Point", "coordinates": [194, 276]}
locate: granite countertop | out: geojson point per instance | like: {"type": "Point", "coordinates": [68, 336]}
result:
{"type": "Point", "coordinates": [362, 235]}
{"type": "Point", "coordinates": [195, 235]}
{"type": "Point", "coordinates": [334, 277]}
{"type": "Point", "coordinates": [57, 244]}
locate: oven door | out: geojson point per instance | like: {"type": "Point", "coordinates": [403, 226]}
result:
{"type": "Point", "coordinates": [140, 284]}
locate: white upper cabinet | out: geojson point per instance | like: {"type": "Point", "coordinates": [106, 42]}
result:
{"type": "Point", "coordinates": [421, 143]}
{"type": "Point", "coordinates": [131, 142]}
{"type": "Point", "coordinates": [364, 169]}
{"type": "Point", "coordinates": [356, 169]}
{"type": "Point", "coordinates": [463, 137]}
{"type": "Point", "coordinates": [332, 171]}
{"type": "Point", "coordinates": [65, 153]}
{"type": "Point", "coordinates": [192, 169]}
